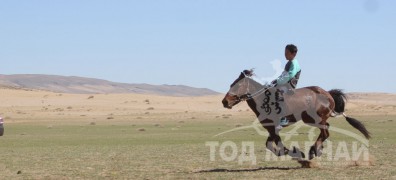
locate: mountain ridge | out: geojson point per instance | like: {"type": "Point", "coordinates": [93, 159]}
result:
{"type": "Point", "coordinates": [85, 85]}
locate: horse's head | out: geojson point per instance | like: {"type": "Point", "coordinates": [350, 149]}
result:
{"type": "Point", "coordinates": [239, 90]}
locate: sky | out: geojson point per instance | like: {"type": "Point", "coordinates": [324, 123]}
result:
{"type": "Point", "coordinates": [342, 44]}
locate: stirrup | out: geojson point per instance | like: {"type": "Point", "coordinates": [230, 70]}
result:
{"type": "Point", "coordinates": [284, 121]}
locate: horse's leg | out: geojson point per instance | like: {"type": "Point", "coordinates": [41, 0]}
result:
{"type": "Point", "coordinates": [316, 149]}
{"type": "Point", "coordinates": [274, 142]}
{"type": "Point", "coordinates": [275, 145]}
{"type": "Point", "coordinates": [315, 120]}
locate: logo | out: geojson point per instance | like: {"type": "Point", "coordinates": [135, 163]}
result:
{"type": "Point", "coordinates": [356, 148]}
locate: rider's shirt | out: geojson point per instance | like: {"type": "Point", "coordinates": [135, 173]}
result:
{"type": "Point", "coordinates": [291, 69]}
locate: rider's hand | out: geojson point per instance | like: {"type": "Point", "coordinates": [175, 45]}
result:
{"type": "Point", "coordinates": [273, 83]}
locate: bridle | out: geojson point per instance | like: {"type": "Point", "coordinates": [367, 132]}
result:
{"type": "Point", "coordinates": [247, 96]}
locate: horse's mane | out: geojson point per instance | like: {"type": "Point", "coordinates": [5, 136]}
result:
{"type": "Point", "coordinates": [245, 73]}
{"type": "Point", "coordinates": [249, 73]}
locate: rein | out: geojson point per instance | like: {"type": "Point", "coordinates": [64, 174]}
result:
{"type": "Point", "coordinates": [249, 96]}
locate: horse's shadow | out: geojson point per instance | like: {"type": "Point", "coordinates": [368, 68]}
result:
{"type": "Point", "coordinates": [248, 170]}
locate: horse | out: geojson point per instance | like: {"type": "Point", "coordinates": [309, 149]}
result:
{"type": "Point", "coordinates": [313, 105]}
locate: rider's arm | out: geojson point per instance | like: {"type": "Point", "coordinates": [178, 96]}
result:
{"type": "Point", "coordinates": [287, 75]}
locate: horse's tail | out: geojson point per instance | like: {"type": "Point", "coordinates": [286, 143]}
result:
{"type": "Point", "coordinates": [340, 101]}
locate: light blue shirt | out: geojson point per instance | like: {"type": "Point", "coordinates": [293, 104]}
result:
{"type": "Point", "coordinates": [291, 70]}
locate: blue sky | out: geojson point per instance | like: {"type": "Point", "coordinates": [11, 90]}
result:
{"type": "Point", "coordinates": [201, 43]}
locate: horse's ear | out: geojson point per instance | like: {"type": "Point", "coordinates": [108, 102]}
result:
{"type": "Point", "coordinates": [239, 78]}
{"type": "Point", "coordinates": [248, 73]}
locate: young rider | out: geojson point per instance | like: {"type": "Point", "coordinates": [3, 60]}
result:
{"type": "Point", "coordinates": [290, 74]}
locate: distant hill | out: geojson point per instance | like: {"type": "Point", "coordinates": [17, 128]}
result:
{"type": "Point", "coordinates": [81, 85]}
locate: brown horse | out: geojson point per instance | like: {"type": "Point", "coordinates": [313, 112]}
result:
{"type": "Point", "coordinates": [312, 105]}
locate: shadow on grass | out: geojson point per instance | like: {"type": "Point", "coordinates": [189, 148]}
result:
{"type": "Point", "coordinates": [247, 170]}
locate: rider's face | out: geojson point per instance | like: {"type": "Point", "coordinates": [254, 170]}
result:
{"type": "Point", "coordinates": [289, 55]}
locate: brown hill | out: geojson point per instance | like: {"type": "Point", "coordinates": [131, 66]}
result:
{"type": "Point", "coordinates": [81, 85]}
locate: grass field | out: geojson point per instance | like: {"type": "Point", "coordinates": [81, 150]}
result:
{"type": "Point", "coordinates": [171, 150]}
{"type": "Point", "coordinates": [124, 136]}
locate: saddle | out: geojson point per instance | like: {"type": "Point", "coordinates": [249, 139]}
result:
{"type": "Point", "coordinates": [288, 88]}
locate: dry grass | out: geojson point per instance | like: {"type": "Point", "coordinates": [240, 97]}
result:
{"type": "Point", "coordinates": [80, 142]}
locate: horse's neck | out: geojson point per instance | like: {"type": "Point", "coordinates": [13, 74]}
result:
{"type": "Point", "coordinates": [253, 106]}
{"type": "Point", "coordinates": [253, 86]}
{"type": "Point", "coordinates": [259, 99]}
{"type": "Point", "coordinates": [255, 89]}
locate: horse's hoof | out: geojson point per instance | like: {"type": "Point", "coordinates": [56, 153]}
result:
{"type": "Point", "coordinates": [296, 154]}
{"type": "Point", "coordinates": [311, 156]}
{"type": "Point", "coordinates": [307, 164]}
{"type": "Point", "coordinates": [312, 153]}
{"type": "Point", "coordinates": [302, 155]}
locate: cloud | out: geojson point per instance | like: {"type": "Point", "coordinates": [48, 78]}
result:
{"type": "Point", "coordinates": [277, 67]}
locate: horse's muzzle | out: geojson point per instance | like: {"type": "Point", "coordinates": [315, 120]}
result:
{"type": "Point", "coordinates": [225, 104]}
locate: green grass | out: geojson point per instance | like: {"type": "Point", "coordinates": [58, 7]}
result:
{"type": "Point", "coordinates": [171, 150]}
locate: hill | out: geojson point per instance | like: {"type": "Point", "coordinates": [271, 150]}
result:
{"type": "Point", "coordinates": [82, 85]}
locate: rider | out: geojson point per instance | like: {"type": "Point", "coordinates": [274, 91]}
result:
{"type": "Point", "coordinates": [291, 73]}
